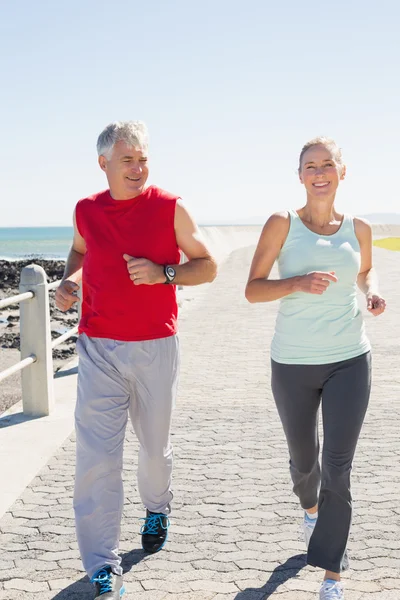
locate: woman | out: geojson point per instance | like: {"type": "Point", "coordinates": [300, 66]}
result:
{"type": "Point", "coordinates": [319, 351]}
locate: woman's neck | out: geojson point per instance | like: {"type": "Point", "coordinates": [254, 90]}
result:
{"type": "Point", "coordinates": [319, 213]}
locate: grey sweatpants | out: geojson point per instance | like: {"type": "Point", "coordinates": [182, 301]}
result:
{"type": "Point", "coordinates": [115, 378]}
{"type": "Point", "coordinates": [344, 388]}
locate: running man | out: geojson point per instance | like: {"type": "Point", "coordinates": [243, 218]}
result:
{"type": "Point", "coordinates": [126, 249]}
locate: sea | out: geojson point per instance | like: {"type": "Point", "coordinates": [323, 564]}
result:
{"type": "Point", "coordinates": [35, 242]}
{"type": "Point", "coordinates": [55, 242]}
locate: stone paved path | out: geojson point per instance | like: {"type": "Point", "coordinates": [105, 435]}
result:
{"type": "Point", "coordinates": [235, 525]}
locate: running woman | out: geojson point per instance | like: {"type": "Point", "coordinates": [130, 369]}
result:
{"type": "Point", "coordinates": [320, 353]}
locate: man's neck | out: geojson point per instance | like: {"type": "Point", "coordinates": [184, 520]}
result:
{"type": "Point", "coordinates": [123, 195]}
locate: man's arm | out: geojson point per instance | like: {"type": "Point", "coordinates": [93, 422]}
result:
{"type": "Point", "coordinates": [200, 267]}
{"type": "Point", "coordinates": [65, 294]}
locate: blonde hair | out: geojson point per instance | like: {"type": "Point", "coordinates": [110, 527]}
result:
{"type": "Point", "coordinates": [328, 143]}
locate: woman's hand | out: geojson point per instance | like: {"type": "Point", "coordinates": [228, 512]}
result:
{"type": "Point", "coordinates": [375, 304]}
{"type": "Point", "coordinates": [316, 282]}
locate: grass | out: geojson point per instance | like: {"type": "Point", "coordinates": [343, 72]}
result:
{"type": "Point", "coordinates": [389, 243]}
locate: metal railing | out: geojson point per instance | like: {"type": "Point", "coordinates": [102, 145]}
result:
{"type": "Point", "coordinates": [36, 346]}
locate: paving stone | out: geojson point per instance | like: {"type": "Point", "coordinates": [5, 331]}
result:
{"type": "Point", "coordinates": [57, 546]}
{"type": "Point", "coordinates": [25, 585]}
{"type": "Point", "coordinates": [382, 595]}
{"type": "Point", "coordinates": [31, 514]}
{"type": "Point", "coordinates": [193, 596]}
{"type": "Point", "coordinates": [166, 586]}
{"type": "Point", "coordinates": [213, 586]}
{"type": "Point", "coordinates": [34, 564]}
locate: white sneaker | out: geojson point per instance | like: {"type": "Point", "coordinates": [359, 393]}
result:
{"type": "Point", "coordinates": [331, 590]}
{"type": "Point", "coordinates": [308, 528]}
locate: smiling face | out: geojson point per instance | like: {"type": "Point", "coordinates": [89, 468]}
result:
{"type": "Point", "coordinates": [127, 171]}
{"type": "Point", "coordinates": [320, 171]}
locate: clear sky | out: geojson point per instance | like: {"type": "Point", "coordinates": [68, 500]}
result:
{"type": "Point", "coordinates": [230, 91]}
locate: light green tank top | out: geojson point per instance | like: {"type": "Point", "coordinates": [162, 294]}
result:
{"type": "Point", "coordinates": [312, 329]}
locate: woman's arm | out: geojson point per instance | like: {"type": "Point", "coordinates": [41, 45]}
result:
{"type": "Point", "coordinates": [261, 289]}
{"type": "Point", "coordinates": [367, 279]}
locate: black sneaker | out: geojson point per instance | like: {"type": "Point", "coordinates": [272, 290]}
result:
{"type": "Point", "coordinates": [109, 586]}
{"type": "Point", "coordinates": [154, 531]}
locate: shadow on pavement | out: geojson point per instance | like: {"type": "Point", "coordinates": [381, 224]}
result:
{"type": "Point", "coordinates": [84, 590]}
{"type": "Point", "coordinates": [18, 417]}
{"type": "Point", "coordinates": [66, 372]}
{"type": "Point", "coordinates": [279, 576]}
{"type": "Point", "coordinates": [15, 419]}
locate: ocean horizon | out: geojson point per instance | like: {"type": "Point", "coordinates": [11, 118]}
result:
{"type": "Point", "coordinates": [50, 243]}
{"type": "Point", "coordinates": [17, 243]}
{"type": "Point", "coordinates": [54, 243]}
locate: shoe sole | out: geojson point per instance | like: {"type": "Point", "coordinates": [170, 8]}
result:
{"type": "Point", "coordinates": [121, 592]}
{"type": "Point", "coordinates": [158, 549]}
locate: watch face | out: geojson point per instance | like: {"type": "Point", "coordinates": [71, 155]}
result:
{"type": "Point", "coordinates": [170, 271]}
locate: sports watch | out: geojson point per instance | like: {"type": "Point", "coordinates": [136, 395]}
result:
{"type": "Point", "coordinates": [169, 273]}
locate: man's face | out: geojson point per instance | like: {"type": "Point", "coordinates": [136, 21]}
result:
{"type": "Point", "coordinates": [127, 171]}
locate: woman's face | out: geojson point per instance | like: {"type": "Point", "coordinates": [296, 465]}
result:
{"type": "Point", "coordinates": [320, 172]}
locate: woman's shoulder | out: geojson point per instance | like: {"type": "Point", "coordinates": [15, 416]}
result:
{"type": "Point", "coordinates": [279, 219]}
{"type": "Point", "coordinates": [361, 223]}
{"type": "Point", "coordinates": [362, 226]}
{"type": "Point", "coordinates": [277, 227]}
{"type": "Point", "coordinates": [278, 222]}
{"type": "Point", "coordinates": [362, 230]}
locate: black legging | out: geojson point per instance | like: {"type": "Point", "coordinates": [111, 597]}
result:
{"type": "Point", "coordinates": [344, 388]}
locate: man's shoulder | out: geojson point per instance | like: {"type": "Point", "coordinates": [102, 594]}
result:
{"type": "Point", "coordinates": [97, 197]}
{"type": "Point", "coordinates": [159, 193]}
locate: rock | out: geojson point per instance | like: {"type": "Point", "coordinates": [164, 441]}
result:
{"type": "Point", "coordinates": [11, 271]}
{"type": "Point", "coordinates": [12, 318]}
{"type": "Point", "coordinates": [10, 340]}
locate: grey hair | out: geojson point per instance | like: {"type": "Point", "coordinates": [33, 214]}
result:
{"type": "Point", "coordinates": [328, 143]}
{"type": "Point", "coordinates": [133, 133]}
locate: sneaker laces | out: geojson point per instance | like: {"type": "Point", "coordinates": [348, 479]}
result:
{"type": "Point", "coordinates": [332, 590]}
{"type": "Point", "coordinates": [152, 523]}
{"type": "Point", "coordinates": [104, 578]}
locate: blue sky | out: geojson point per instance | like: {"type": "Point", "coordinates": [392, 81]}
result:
{"type": "Point", "coordinates": [230, 92]}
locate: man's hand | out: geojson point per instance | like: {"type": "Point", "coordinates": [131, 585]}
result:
{"type": "Point", "coordinates": [375, 304]}
{"type": "Point", "coordinates": [66, 295]}
{"type": "Point", "coordinates": [142, 271]}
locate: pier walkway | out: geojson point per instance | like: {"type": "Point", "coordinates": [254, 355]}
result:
{"type": "Point", "coordinates": [235, 530]}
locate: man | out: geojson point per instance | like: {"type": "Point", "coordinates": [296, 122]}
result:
{"type": "Point", "coordinates": [126, 250]}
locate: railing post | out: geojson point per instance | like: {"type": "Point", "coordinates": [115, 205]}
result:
{"type": "Point", "coordinates": [35, 333]}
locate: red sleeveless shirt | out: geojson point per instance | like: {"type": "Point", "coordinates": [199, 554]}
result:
{"type": "Point", "coordinates": [143, 227]}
